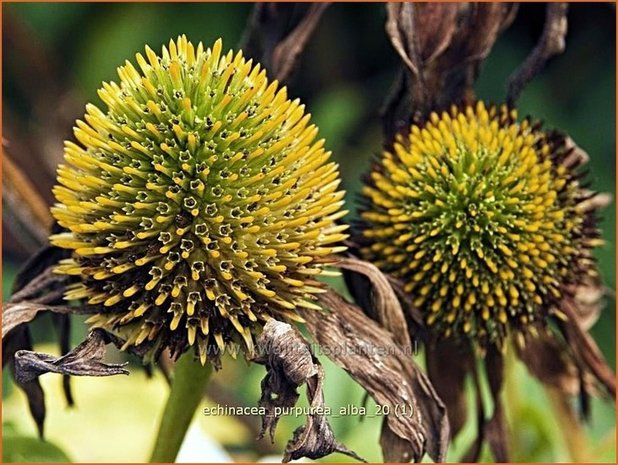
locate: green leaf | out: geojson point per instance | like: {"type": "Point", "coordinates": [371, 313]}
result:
{"type": "Point", "coordinates": [28, 449]}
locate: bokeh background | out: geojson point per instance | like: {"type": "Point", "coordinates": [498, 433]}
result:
{"type": "Point", "coordinates": [55, 57]}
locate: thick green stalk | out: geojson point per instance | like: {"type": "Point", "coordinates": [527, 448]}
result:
{"type": "Point", "coordinates": [188, 385]}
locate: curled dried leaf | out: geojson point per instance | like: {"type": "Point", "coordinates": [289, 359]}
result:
{"type": "Point", "coordinates": [290, 364]}
{"type": "Point", "coordinates": [84, 360]}
{"type": "Point", "coordinates": [371, 355]}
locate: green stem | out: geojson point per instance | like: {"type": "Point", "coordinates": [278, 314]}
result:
{"type": "Point", "coordinates": [188, 385]}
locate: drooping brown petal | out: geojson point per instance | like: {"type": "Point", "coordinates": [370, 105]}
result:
{"type": "Point", "coordinates": [552, 42]}
{"type": "Point", "coordinates": [39, 284]}
{"type": "Point", "coordinates": [290, 364]}
{"type": "Point", "coordinates": [379, 299]}
{"type": "Point", "coordinates": [28, 212]}
{"type": "Point", "coordinates": [548, 360]}
{"type": "Point", "coordinates": [20, 339]}
{"type": "Point", "coordinates": [35, 289]}
{"type": "Point", "coordinates": [62, 323]}
{"type": "Point", "coordinates": [84, 360]}
{"type": "Point", "coordinates": [495, 429]}
{"type": "Point", "coordinates": [15, 314]}
{"type": "Point", "coordinates": [589, 303]}
{"type": "Point", "coordinates": [585, 349]}
{"type": "Point", "coordinates": [492, 430]}
{"type": "Point", "coordinates": [474, 451]}
{"type": "Point", "coordinates": [278, 33]}
{"type": "Point", "coordinates": [371, 355]}
{"type": "Point", "coordinates": [36, 281]}
{"type": "Point", "coordinates": [449, 378]}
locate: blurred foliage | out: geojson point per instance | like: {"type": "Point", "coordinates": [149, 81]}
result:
{"type": "Point", "coordinates": [344, 75]}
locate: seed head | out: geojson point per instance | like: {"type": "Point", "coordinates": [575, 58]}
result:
{"type": "Point", "coordinates": [197, 204]}
{"type": "Point", "coordinates": [484, 220]}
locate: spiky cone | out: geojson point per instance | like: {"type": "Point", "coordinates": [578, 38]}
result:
{"type": "Point", "coordinates": [484, 220]}
{"type": "Point", "coordinates": [198, 204]}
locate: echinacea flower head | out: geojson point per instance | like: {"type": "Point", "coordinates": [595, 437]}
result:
{"type": "Point", "coordinates": [483, 219]}
{"type": "Point", "coordinates": [198, 203]}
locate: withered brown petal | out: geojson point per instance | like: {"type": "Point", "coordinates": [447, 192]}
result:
{"type": "Point", "coordinates": [377, 362]}
{"type": "Point", "coordinates": [84, 360]}
{"type": "Point", "coordinates": [381, 303]}
{"type": "Point", "coordinates": [395, 449]}
{"type": "Point", "coordinates": [15, 314]}
{"type": "Point", "coordinates": [547, 359]}
{"type": "Point", "coordinates": [474, 450]}
{"type": "Point", "coordinates": [62, 323]}
{"type": "Point", "coordinates": [585, 349]}
{"type": "Point", "coordinates": [32, 282]}
{"type": "Point", "coordinates": [20, 339]}
{"type": "Point", "coordinates": [290, 364]}
{"type": "Point", "coordinates": [39, 267]}
{"type": "Point", "coordinates": [495, 429]}
{"type": "Point", "coordinates": [24, 205]}
{"type": "Point", "coordinates": [449, 378]}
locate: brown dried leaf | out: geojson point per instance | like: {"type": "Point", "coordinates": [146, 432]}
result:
{"type": "Point", "coordinates": [371, 355]}
{"type": "Point", "coordinates": [442, 46]}
{"type": "Point", "coordinates": [288, 51]}
{"type": "Point", "coordinates": [290, 364]}
{"type": "Point", "coordinates": [84, 360]}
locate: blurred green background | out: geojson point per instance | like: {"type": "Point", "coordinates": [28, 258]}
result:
{"type": "Point", "coordinates": [345, 73]}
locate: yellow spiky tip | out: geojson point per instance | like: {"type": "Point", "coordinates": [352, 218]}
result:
{"type": "Point", "coordinates": [483, 219]}
{"type": "Point", "coordinates": [198, 204]}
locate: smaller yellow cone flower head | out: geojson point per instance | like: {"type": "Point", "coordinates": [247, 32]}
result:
{"type": "Point", "coordinates": [198, 204]}
{"type": "Point", "coordinates": [482, 218]}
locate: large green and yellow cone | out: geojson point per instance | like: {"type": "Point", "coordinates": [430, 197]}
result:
{"type": "Point", "coordinates": [197, 203]}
